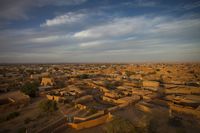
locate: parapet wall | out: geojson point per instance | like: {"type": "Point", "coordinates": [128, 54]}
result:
{"type": "Point", "coordinates": [189, 90]}
{"type": "Point", "coordinates": [84, 99]}
{"type": "Point", "coordinates": [185, 110]}
{"type": "Point", "coordinates": [91, 123]}
{"type": "Point", "coordinates": [147, 83]}
{"type": "Point", "coordinates": [99, 113]}
{"type": "Point", "coordinates": [52, 97]}
{"type": "Point", "coordinates": [127, 100]}
{"type": "Point", "coordinates": [143, 108]}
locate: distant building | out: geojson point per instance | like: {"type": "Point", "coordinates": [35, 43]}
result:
{"type": "Point", "coordinates": [47, 82]}
{"type": "Point", "coordinates": [150, 83]}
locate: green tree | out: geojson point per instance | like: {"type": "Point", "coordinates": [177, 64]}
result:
{"type": "Point", "coordinates": [129, 73]}
{"type": "Point", "coordinates": [83, 76]}
{"type": "Point", "coordinates": [109, 85]}
{"type": "Point", "coordinates": [9, 116]}
{"type": "Point", "coordinates": [60, 84]}
{"type": "Point", "coordinates": [120, 125]}
{"type": "Point", "coordinates": [48, 106]}
{"type": "Point", "coordinates": [112, 84]}
{"type": "Point", "coordinates": [30, 88]}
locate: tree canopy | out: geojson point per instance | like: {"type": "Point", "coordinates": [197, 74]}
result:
{"type": "Point", "coordinates": [48, 106]}
{"type": "Point", "coordinates": [30, 88]}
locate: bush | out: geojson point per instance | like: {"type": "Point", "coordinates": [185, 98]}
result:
{"type": "Point", "coordinates": [175, 121]}
{"type": "Point", "coordinates": [48, 106]}
{"type": "Point", "coordinates": [112, 85]}
{"type": "Point", "coordinates": [117, 83]}
{"type": "Point", "coordinates": [157, 69]}
{"type": "Point", "coordinates": [109, 85]}
{"type": "Point", "coordinates": [152, 126]}
{"type": "Point", "coordinates": [27, 120]}
{"type": "Point", "coordinates": [60, 84]}
{"type": "Point", "coordinates": [129, 73]}
{"type": "Point", "coordinates": [83, 76]}
{"type": "Point", "coordinates": [2, 119]}
{"type": "Point", "coordinates": [30, 88]}
{"type": "Point", "coordinates": [21, 130]}
{"type": "Point", "coordinates": [120, 125]}
{"type": "Point", "coordinates": [12, 115]}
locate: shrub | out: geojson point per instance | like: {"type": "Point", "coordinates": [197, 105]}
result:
{"type": "Point", "coordinates": [2, 119]}
{"type": "Point", "coordinates": [152, 126]}
{"type": "Point", "coordinates": [117, 83]}
{"type": "Point", "coordinates": [60, 84]}
{"type": "Point", "coordinates": [109, 85]}
{"type": "Point", "coordinates": [174, 121]}
{"type": "Point", "coordinates": [12, 115]}
{"type": "Point", "coordinates": [27, 120]}
{"type": "Point", "coordinates": [21, 130]}
{"type": "Point", "coordinates": [129, 73]}
{"type": "Point", "coordinates": [30, 88]}
{"type": "Point", "coordinates": [151, 73]}
{"type": "Point", "coordinates": [119, 125]}
{"type": "Point", "coordinates": [48, 106]}
{"type": "Point", "coordinates": [157, 69]}
{"type": "Point", "coordinates": [112, 85]}
{"type": "Point", "coordinates": [83, 76]}
{"type": "Point", "coordinates": [169, 71]}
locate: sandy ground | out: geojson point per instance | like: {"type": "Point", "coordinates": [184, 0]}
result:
{"type": "Point", "coordinates": [37, 119]}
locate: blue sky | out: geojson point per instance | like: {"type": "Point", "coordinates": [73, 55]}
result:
{"type": "Point", "coordinates": [44, 31]}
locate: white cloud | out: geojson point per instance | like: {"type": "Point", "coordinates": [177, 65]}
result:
{"type": "Point", "coordinates": [45, 39]}
{"type": "Point", "coordinates": [68, 18]}
{"type": "Point", "coordinates": [95, 43]}
{"type": "Point", "coordinates": [90, 44]}
{"type": "Point", "coordinates": [60, 2]}
{"type": "Point", "coordinates": [142, 26]}
{"type": "Point", "coordinates": [125, 38]}
{"type": "Point", "coordinates": [178, 25]}
{"type": "Point", "coordinates": [119, 27]}
{"type": "Point", "coordinates": [49, 39]}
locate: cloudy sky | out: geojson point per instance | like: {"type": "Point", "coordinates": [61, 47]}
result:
{"type": "Point", "coordinates": [99, 31]}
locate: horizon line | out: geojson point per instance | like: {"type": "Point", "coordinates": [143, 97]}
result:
{"type": "Point", "coordinates": [137, 62]}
